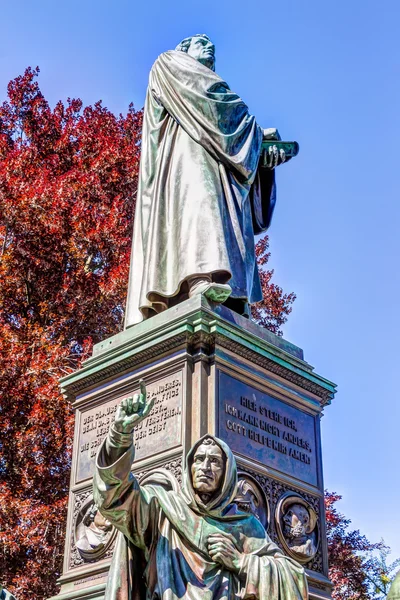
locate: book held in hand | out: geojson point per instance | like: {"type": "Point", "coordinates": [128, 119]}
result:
{"type": "Point", "coordinates": [291, 149]}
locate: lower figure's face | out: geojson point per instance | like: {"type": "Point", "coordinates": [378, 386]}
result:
{"type": "Point", "coordinates": [297, 520]}
{"type": "Point", "coordinates": [202, 50]}
{"type": "Point", "coordinates": [207, 468]}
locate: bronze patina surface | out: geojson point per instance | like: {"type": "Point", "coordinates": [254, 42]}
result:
{"type": "Point", "coordinates": [5, 594]}
{"type": "Point", "coordinates": [191, 544]}
{"type": "Point", "coordinates": [268, 430]}
{"type": "Point", "coordinates": [203, 190]}
{"type": "Point", "coordinates": [193, 343]}
{"type": "Point", "coordinates": [159, 432]}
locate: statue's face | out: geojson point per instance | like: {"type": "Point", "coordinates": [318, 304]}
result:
{"type": "Point", "coordinates": [297, 520]}
{"type": "Point", "coordinates": [247, 499]}
{"type": "Point", "coordinates": [202, 50]}
{"type": "Point", "coordinates": [207, 468]}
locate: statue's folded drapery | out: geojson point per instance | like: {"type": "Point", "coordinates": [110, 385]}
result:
{"type": "Point", "coordinates": [162, 548]}
{"type": "Point", "coordinates": [201, 196]}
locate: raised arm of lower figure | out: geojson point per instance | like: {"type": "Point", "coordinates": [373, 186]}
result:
{"type": "Point", "coordinates": [116, 492]}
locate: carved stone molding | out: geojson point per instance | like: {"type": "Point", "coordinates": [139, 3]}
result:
{"type": "Point", "coordinates": [111, 370]}
{"type": "Point", "coordinates": [83, 500]}
{"type": "Point", "coordinates": [274, 367]}
{"type": "Point", "coordinates": [297, 526]}
{"type": "Point", "coordinates": [326, 587]}
{"type": "Point", "coordinates": [200, 341]}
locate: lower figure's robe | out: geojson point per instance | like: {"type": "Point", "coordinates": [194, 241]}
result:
{"type": "Point", "coordinates": [162, 552]}
{"type": "Point", "coordinates": [201, 195]}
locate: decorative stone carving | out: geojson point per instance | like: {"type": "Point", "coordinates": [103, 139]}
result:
{"type": "Point", "coordinates": [251, 498]}
{"type": "Point", "coordinates": [172, 470]}
{"type": "Point", "coordinates": [274, 367]}
{"type": "Point", "coordinates": [131, 363]}
{"type": "Point", "coordinates": [93, 535]}
{"type": "Point", "coordinates": [274, 491]}
{"type": "Point", "coordinates": [297, 527]}
{"type": "Point", "coordinates": [205, 340]}
{"type": "Point", "coordinates": [175, 467]}
{"type": "Point", "coordinates": [175, 528]}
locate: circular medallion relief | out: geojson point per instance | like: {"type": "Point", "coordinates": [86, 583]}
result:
{"type": "Point", "coordinates": [93, 534]}
{"type": "Point", "coordinates": [297, 527]}
{"type": "Point", "coordinates": [251, 498]}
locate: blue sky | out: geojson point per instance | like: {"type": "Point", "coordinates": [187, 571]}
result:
{"type": "Point", "coordinates": [328, 75]}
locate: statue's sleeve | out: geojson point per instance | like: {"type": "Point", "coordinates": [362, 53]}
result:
{"type": "Point", "coordinates": [263, 199]}
{"type": "Point", "coordinates": [210, 113]}
{"type": "Point", "coordinates": [272, 573]}
{"type": "Point", "coordinates": [117, 494]}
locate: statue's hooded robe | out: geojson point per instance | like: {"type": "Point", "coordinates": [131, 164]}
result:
{"type": "Point", "coordinates": [201, 196]}
{"type": "Point", "coordinates": [162, 548]}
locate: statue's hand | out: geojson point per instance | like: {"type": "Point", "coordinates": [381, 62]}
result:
{"type": "Point", "coordinates": [273, 157]}
{"type": "Point", "coordinates": [222, 548]}
{"type": "Point", "coordinates": [132, 410]}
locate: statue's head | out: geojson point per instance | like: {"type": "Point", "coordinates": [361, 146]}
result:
{"type": "Point", "coordinates": [201, 48]}
{"type": "Point", "coordinates": [210, 476]}
{"type": "Point", "coordinates": [246, 498]}
{"type": "Point", "coordinates": [208, 467]}
{"type": "Point", "coordinates": [297, 521]}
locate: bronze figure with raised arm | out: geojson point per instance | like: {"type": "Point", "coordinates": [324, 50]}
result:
{"type": "Point", "coordinates": [190, 544]}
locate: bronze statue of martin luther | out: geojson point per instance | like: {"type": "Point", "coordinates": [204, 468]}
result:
{"type": "Point", "coordinates": [203, 192]}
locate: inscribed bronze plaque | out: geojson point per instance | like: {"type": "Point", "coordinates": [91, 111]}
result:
{"type": "Point", "coordinates": [160, 431]}
{"type": "Point", "coordinates": [266, 429]}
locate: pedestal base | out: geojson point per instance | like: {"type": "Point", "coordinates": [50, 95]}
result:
{"type": "Point", "coordinates": [210, 371]}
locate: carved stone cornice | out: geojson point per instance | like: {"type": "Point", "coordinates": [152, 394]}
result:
{"type": "Point", "coordinates": [276, 368]}
{"type": "Point", "coordinates": [110, 370]}
{"type": "Point", "coordinates": [192, 342]}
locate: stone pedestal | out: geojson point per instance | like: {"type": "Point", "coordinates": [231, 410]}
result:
{"type": "Point", "coordinates": [211, 371]}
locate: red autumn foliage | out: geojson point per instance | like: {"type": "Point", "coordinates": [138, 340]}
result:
{"type": "Point", "coordinates": [68, 180]}
{"type": "Point", "coordinates": [358, 568]}
{"type": "Point", "coordinates": [272, 312]}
